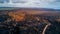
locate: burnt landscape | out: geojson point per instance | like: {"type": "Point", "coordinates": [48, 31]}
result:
{"type": "Point", "coordinates": [29, 22]}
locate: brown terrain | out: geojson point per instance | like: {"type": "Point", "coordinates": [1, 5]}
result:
{"type": "Point", "coordinates": [29, 22]}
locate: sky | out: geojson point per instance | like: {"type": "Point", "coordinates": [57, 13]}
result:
{"type": "Point", "coordinates": [55, 4]}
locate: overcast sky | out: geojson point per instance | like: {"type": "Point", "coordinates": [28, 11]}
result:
{"type": "Point", "coordinates": [55, 4]}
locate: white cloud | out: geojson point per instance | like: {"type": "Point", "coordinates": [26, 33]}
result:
{"type": "Point", "coordinates": [33, 3]}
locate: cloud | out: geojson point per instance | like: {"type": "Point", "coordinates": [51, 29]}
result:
{"type": "Point", "coordinates": [19, 1]}
{"type": "Point", "coordinates": [33, 4]}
